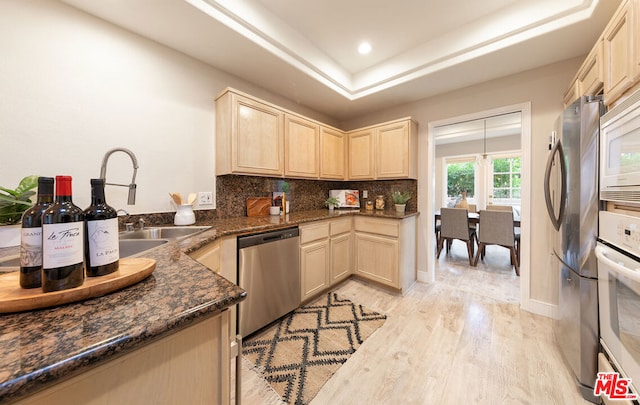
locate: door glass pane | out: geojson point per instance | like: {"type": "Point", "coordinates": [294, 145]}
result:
{"type": "Point", "coordinates": [460, 177]}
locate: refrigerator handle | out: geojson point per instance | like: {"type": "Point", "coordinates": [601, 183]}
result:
{"type": "Point", "coordinates": [557, 148]}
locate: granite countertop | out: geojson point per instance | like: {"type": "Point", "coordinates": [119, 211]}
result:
{"type": "Point", "coordinates": [41, 347]}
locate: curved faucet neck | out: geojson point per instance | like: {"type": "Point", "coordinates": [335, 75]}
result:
{"type": "Point", "coordinates": [132, 186]}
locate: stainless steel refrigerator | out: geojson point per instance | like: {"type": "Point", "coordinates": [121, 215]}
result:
{"type": "Point", "coordinates": [571, 194]}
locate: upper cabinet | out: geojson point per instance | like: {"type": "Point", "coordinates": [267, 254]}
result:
{"type": "Point", "coordinates": [249, 136]}
{"type": "Point", "coordinates": [385, 151]}
{"type": "Point", "coordinates": [619, 53]}
{"type": "Point", "coordinates": [301, 147]}
{"type": "Point", "coordinates": [397, 150]}
{"type": "Point", "coordinates": [256, 138]}
{"type": "Point", "coordinates": [589, 80]}
{"type": "Point", "coordinates": [332, 153]}
{"type": "Point", "coordinates": [612, 67]}
{"type": "Point", "coordinates": [361, 155]}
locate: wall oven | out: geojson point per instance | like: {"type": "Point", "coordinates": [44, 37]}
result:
{"type": "Point", "coordinates": [618, 254]}
{"type": "Point", "coordinates": [620, 152]}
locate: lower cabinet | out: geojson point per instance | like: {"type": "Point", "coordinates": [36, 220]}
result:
{"type": "Point", "coordinates": [377, 258]}
{"type": "Point", "coordinates": [220, 256]}
{"type": "Point", "coordinates": [325, 255]}
{"type": "Point", "coordinates": [385, 251]}
{"type": "Point", "coordinates": [190, 366]}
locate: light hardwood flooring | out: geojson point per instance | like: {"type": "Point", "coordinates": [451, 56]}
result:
{"type": "Point", "coordinates": [460, 340]}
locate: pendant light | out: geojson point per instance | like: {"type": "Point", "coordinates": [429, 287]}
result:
{"type": "Point", "coordinates": [484, 147]}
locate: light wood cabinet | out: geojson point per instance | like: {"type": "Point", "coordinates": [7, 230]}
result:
{"type": "Point", "coordinates": [385, 151]}
{"type": "Point", "coordinates": [249, 136]}
{"type": "Point", "coordinates": [589, 80]}
{"type": "Point", "coordinates": [341, 250]}
{"type": "Point", "coordinates": [190, 366]}
{"type": "Point", "coordinates": [332, 154]}
{"type": "Point", "coordinates": [619, 53]}
{"type": "Point", "coordinates": [326, 255]}
{"type": "Point", "coordinates": [385, 251]}
{"type": "Point", "coordinates": [636, 38]}
{"type": "Point", "coordinates": [220, 256]}
{"type": "Point", "coordinates": [397, 150]}
{"type": "Point", "coordinates": [301, 147]}
{"type": "Point", "coordinates": [314, 259]}
{"type": "Point", "coordinates": [590, 77]}
{"type": "Point", "coordinates": [254, 137]}
{"type": "Point", "coordinates": [361, 155]}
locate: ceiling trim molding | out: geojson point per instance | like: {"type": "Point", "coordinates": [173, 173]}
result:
{"type": "Point", "coordinates": [517, 25]}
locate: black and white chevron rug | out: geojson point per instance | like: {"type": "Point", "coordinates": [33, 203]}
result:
{"type": "Point", "coordinates": [299, 353]}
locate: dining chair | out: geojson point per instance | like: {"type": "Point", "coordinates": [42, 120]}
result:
{"type": "Point", "coordinates": [496, 228]}
{"type": "Point", "coordinates": [491, 207]}
{"type": "Point", "coordinates": [454, 224]}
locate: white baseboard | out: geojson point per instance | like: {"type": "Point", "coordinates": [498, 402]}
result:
{"type": "Point", "coordinates": [540, 308]}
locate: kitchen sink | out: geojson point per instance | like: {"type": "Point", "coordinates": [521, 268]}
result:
{"type": "Point", "coordinates": [169, 232]}
{"type": "Point", "coordinates": [12, 261]}
{"type": "Point", "coordinates": [130, 247]}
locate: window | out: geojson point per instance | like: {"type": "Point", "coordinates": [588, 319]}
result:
{"type": "Point", "coordinates": [507, 180]}
{"type": "Point", "coordinates": [461, 176]}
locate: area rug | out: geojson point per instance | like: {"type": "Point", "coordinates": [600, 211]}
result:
{"type": "Point", "coordinates": [299, 353]}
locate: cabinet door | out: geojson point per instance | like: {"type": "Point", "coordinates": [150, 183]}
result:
{"type": "Point", "coordinates": [314, 268]}
{"type": "Point", "coordinates": [591, 74]}
{"type": "Point", "coordinates": [341, 257]}
{"type": "Point", "coordinates": [393, 151]}
{"type": "Point", "coordinates": [301, 144]}
{"type": "Point", "coordinates": [332, 154]}
{"type": "Point", "coordinates": [361, 161]}
{"type": "Point", "coordinates": [618, 54]}
{"type": "Point", "coordinates": [377, 258]}
{"type": "Point", "coordinates": [257, 138]}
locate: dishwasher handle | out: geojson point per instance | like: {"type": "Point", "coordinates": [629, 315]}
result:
{"type": "Point", "coordinates": [267, 237]}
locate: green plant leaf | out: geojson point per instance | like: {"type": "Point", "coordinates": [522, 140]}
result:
{"type": "Point", "coordinates": [27, 183]}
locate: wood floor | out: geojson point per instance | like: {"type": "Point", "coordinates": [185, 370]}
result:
{"type": "Point", "coordinates": [460, 340]}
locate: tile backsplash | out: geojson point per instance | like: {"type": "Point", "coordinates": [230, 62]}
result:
{"type": "Point", "coordinates": [232, 192]}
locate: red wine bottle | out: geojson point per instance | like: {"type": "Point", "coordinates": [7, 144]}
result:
{"type": "Point", "coordinates": [31, 238]}
{"type": "Point", "coordinates": [101, 252]}
{"type": "Point", "coordinates": [62, 241]}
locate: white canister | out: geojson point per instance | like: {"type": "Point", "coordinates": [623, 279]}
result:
{"type": "Point", "coordinates": [184, 215]}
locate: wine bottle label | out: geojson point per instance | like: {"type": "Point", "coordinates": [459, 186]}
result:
{"type": "Point", "coordinates": [102, 237]}
{"type": "Point", "coordinates": [31, 247]}
{"type": "Point", "coordinates": [62, 244]}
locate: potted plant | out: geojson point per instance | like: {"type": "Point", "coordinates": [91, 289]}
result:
{"type": "Point", "coordinates": [13, 203]}
{"type": "Point", "coordinates": [400, 199]}
{"type": "Point", "coordinates": [332, 202]}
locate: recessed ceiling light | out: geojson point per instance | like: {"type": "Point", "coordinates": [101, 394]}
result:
{"type": "Point", "coordinates": [364, 48]}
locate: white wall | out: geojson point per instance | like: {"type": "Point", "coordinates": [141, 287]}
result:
{"type": "Point", "coordinates": [73, 86]}
{"type": "Point", "coordinates": [544, 89]}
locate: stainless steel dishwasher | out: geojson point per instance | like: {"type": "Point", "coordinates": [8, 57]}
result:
{"type": "Point", "coordinates": [269, 271]}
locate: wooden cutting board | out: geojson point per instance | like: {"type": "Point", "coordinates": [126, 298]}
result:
{"type": "Point", "coordinates": [13, 298]}
{"type": "Point", "coordinates": [258, 206]}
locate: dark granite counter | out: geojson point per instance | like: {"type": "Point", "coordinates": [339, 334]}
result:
{"type": "Point", "coordinates": [42, 347]}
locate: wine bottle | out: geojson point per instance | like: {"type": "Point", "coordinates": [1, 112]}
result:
{"type": "Point", "coordinates": [62, 241]}
{"type": "Point", "coordinates": [101, 252]}
{"type": "Point", "coordinates": [31, 238]}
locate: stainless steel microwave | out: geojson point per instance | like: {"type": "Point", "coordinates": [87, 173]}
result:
{"type": "Point", "coordinates": [620, 152]}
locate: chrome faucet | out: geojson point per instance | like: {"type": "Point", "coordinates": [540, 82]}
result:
{"type": "Point", "coordinates": [132, 187]}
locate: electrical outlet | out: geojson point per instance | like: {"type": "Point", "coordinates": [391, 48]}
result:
{"type": "Point", "coordinates": [205, 198]}
{"type": "Point", "coordinates": [365, 194]}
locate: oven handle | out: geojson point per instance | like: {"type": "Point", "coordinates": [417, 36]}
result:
{"type": "Point", "coordinates": [601, 254]}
